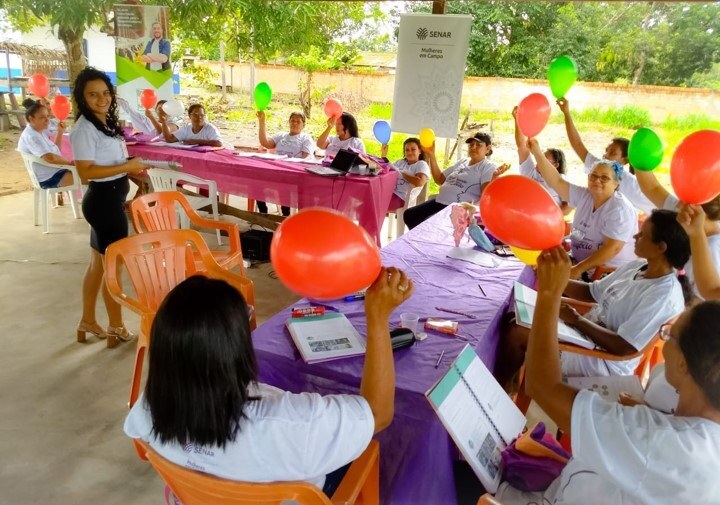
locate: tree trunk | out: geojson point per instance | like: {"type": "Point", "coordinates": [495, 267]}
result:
{"type": "Point", "coordinates": [641, 66]}
{"type": "Point", "coordinates": [72, 40]}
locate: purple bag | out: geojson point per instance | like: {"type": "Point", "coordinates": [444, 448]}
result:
{"type": "Point", "coordinates": [533, 460]}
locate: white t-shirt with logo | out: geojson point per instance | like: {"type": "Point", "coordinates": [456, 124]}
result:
{"type": "Point", "coordinates": [673, 203]}
{"type": "Point", "coordinates": [285, 437]}
{"type": "Point", "coordinates": [634, 308]}
{"type": "Point", "coordinates": [90, 144]}
{"type": "Point", "coordinates": [632, 456]}
{"type": "Point", "coordinates": [463, 182]}
{"type": "Point", "coordinates": [335, 144]}
{"type": "Point", "coordinates": [402, 186]}
{"type": "Point", "coordinates": [615, 219]}
{"type": "Point", "coordinates": [208, 133]}
{"type": "Point", "coordinates": [38, 144]}
{"type": "Point", "coordinates": [528, 168]}
{"type": "Point", "coordinates": [629, 187]}
{"type": "Point", "coordinates": [293, 146]}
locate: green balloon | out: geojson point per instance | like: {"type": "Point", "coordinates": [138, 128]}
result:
{"type": "Point", "coordinates": [646, 150]}
{"type": "Point", "coordinates": [262, 95]}
{"type": "Point", "coordinates": [561, 75]}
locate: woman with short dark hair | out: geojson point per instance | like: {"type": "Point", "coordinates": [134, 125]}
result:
{"type": "Point", "coordinates": [197, 133]}
{"type": "Point", "coordinates": [348, 136]}
{"type": "Point", "coordinates": [203, 407]}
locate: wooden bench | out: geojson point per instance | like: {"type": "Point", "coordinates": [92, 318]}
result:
{"type": "Point", "coordinates": [14, 110]}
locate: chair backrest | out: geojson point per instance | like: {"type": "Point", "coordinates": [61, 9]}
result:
{"type": "Point", "coordinates": [195, 488]}
{"type": "Point", "coordinates": [29, 159]}
{"type": "Point", "coordinates": [167, 180]}
{"type": "Point", "coordinates": [412, 196]}
{"type": "Point", "coordinates": [158, 261]}
{"type": "Point", "coordinates": [156, 211]}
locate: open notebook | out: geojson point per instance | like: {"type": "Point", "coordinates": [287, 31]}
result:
{"type": "Point", "coordinates": [479, 415]}
{"type": "Point", "coordinates": [525, 301]}
{"type": "Point", "coordinates": [326, 337]}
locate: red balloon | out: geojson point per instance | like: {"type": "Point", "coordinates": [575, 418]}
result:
{"type": "Point", "coordinates": [520, 212]}
{"type": "Point", "coordinates": [60, 107]}
{"type": "Point", "coordinates": [695, 167]}
{"type": "Point", "coordinates": [533, 114]}
{"type": "Point", "coordinates": [39, 85]}
{"type": "Point", "coordinates": [319, 253]}
{"type": "Point", "coordinates": [333, 108]}
{"type": "Point", "coordinates": [148, 98]}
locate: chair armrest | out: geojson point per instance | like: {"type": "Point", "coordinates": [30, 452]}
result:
{"type": "Point", "coordinates": [232, 229]}
{"type": "Point", "coordinates": [488, 499]}
{"type": "Point", "coordinates": [40, 161]}
{"type": "Point", "coordinates": [357, 475]}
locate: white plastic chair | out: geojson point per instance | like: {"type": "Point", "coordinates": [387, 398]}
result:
{"type": "Point", "coordinates": [410, 201]}
{"type": "Point", "coordinates": [167, 180]}
{"type": "Point", "coordinates": [43, 195]}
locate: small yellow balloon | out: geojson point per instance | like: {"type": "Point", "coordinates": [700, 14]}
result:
{"type": "Point", "coordinates": [427, 137]}
{"type": "Point", "coordinates": [527, 257]}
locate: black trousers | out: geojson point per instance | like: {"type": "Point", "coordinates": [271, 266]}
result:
{"type": "Point", "coordinates": [262, 207]}
{"type": "Point", "coordinates": [416, 215]}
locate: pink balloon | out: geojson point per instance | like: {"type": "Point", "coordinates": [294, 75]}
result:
{"type": "Point", "coordinates": [533, 114]}
{"type": "Point", "coordinates": [333, 108]}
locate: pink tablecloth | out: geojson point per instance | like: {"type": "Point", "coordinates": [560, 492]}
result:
{"type": "Point", "coordinates": [359, 197]}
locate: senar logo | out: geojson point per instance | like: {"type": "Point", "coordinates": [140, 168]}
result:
{"type": "Point", "coordinates": [422, 33]}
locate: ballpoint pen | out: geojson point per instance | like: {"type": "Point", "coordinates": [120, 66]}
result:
{"type": "Point", "coordinates": [440, 358]}
{"type": "Point", "coordinates": [356, 296]}
{"type": "Point", "coordinates": [482, 290]}
{"type": "Point", "coordinates": [451, 311]}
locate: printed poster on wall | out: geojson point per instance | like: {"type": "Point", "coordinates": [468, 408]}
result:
{"type": "Point", "coordinates": [142, 52]}
{"type": "Point", "coordinates": [432, 51]}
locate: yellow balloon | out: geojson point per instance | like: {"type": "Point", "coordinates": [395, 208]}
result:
{"type": "Point", "coordinates": [427, 137]}
{"type": "Point", "coordinates": [527, 257]}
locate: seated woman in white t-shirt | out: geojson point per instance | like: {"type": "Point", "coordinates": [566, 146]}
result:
{"type": "Point", "coordinates": [294, 144]}
{"type": "Point", "coordinates": [527, 164]}
{"type": "Point", "coordinates": [462, 182]}
{"type": "Point", "coordinates": [628, 455]}
{"type": "Point", "coordinates": [709, 247]}
{"type": "Point", "coordinates": [616, 150]}
{"type": "Point", "coordinates": [632, 303]}
{"type": "Point", "coordinates": [202, 391]}
{"type": "Point", "coordinates": [348, 136]}
{"type": "Point", "coordinates": [147, 123]}
{"type": "Point", "coordinates": [34, 141]}
{"type": "Point", "coordinates": [604, 221]}
{"type": "Point", "coordinates": [413, 171]}
{"type": "Point", "coordinates": [197, 133]}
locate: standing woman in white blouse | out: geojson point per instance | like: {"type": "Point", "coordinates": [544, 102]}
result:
{"type": "Point", "coordinates": [101, 157]}
{"type": "Point", "coordinates": [348, 136]}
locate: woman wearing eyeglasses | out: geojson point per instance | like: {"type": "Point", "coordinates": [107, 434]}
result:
{"type": "Point", "coordinates": [605, 221]}
{"type": "Point", "coordinates": [197, 133]}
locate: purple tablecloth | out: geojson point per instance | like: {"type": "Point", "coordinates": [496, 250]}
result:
{"type": "Point", "coordinates": [416, 452]}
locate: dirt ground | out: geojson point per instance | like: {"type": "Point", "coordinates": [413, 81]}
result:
{"type": "Point", "coordinates": [13, 176]}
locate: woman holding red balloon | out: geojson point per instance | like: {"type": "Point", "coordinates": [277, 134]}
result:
{"type": "Point", "coordinates": [101, 156]}
{"type": "Point", "coordinates": [34, 141]}
{"type": "Point", "coordinates": [604, 222]}
{"type": "Point", "coordinates": [348, 136]}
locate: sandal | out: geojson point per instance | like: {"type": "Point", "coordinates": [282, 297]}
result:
{"type": "Point", "coordinates": [84, 328]}
{"type": "Point", "coordinates": [117, 334]}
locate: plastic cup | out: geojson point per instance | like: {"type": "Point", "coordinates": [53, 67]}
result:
{"type": "Point", "coordinates": [363, 169]}
{"type": "Point", "coordinates": [409, 321]}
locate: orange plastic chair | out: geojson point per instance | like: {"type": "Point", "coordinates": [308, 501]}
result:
{"type": "Point", "coordinates": [156, 262]}
{"type": "Point", "coordinates": [156, 212]}
{"type": "Point", "coordinates": [359, 486]}
{"type": "Point", "coordinates": [488, 499]}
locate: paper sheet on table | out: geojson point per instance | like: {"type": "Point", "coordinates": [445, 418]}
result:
{"type": "Point", "coordinates": [609, 387]}
{"type": "Point", "coordinates": [264, 156]}
{"type": "Point", "coordinates": [174, 145]}
{"type": "Point", "coordinates": [308, 161]}
{"type": "Point", "coordinates": [474, 256]}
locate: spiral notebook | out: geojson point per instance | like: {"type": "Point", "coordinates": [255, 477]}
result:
{"type": "Point", "coordinates": [478, 414]}
{"type": "Point", "coordinates": [326, 337]}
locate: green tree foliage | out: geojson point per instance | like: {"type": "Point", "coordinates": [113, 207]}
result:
{"type": "Point", "coordinates": [639, 43]}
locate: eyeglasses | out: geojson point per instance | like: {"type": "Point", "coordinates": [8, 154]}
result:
{"type": "Point", "coordinates": [604, 179]}
{"type": "Point", "coordinates": [665, 334]}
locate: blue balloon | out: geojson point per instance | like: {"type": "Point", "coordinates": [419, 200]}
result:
{"type": "Point", "coordinates": [382, 131]}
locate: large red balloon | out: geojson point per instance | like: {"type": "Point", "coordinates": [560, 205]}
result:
{"type": "Point", "coordinates": [695, 167]}
{"type": "Point", "coordinates": [319, 253]}
{"type": "Point", "coordinates": [533, 114]}
{"type": "Point", "coordinates": [39, 85]}
{"type": "Point", "coordinates": [148, 98]}
{"type": "Point", "coordinates": [60, 107]}
{"type": "Point", "coordinates": [521, 213]}
{"type": "Point", "coordinates": [333, 108]}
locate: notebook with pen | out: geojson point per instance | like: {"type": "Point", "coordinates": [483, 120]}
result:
{"type": "Point", "coordinates": [478, 414]}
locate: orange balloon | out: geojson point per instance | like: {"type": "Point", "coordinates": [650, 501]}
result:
{"type": "Point", "coordinates": [60, 107]}
{"type": "Point", "coordinates": [533, 114]}
{"type": "Point", "coordinates": [333, 108]}
{"type": "Point", "coordinates": [148, 98]}
{"type": "Point", "coordinates": [321, 254]}
{"type": "Point", "coordinates": [521, 213]}
{"type": "Point", "coordinates": [695, 167]}
{"type": "Point", "coordinates": [39, 85]}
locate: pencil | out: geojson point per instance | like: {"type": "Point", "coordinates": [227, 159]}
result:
{"type": "Point", "coordinates": [482, 290]}
{"type": "Point", "coordinates": [440, 358]}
